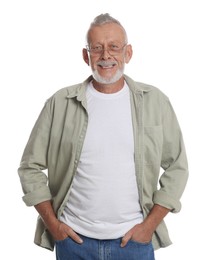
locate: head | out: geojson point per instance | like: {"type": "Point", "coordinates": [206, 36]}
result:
{"type": "Point", "coordinates": [107, 50]}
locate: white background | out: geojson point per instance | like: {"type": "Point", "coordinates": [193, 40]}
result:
{"type": "Point", "coordinates": [40, 52]}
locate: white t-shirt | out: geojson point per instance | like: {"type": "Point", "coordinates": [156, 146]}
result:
{"type": "Point", "coordinates": [104, 199]}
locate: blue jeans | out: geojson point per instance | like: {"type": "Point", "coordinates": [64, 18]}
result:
{"type": "Point", "coordinates": [94, 249]}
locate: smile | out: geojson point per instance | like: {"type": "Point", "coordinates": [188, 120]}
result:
{"type": "Point", "coordinates": [106, 65]}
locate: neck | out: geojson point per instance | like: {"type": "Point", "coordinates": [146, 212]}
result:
{"type": "Point", "coordinates": [109, 88]}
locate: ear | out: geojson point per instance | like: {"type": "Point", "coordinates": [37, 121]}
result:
{"type": "Point", "coordinates": [128, 53]}
{"type": "Point", "coordinates": [85, 56]}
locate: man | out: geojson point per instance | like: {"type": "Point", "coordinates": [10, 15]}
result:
{"type": "Point", "coordinates": [103, 142]}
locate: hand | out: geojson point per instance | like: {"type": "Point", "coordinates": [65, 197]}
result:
{"type": "Point", "coordinates": [63, 231]}
{"type": "Point", "coordinates": [58, 229]}
{"type": "Point", "coordinates": [139, 233]}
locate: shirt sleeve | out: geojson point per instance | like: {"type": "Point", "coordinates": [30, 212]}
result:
{"type": "Point", "coordinates": [33, 164]}
{"type": "Point", "coordinates": [173, 161]}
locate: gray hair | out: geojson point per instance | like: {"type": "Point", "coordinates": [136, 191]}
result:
{"type": "Point", "coordinates": [105, 19]}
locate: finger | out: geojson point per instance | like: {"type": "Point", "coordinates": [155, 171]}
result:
{"type": "Point", "coordinates": [125, 240]}
{"type": "Point", "coordinates": [75, 237]}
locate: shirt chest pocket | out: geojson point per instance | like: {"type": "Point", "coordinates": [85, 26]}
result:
{"type": "Point", "coordinates": [153, 141]}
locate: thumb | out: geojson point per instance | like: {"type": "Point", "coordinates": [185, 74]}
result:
{"type": "Point", "coordinates": [125, 239]}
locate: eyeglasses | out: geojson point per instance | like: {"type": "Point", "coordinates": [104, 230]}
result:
{"type": "Point", "coordinates": [112, 49]}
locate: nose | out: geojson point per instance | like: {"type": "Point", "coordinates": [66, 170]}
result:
{"type": "Point", "coordinates": [105, 54]}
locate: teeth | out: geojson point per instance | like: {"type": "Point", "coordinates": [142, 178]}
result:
{"type": "Point", "coordinates": [106, 65]}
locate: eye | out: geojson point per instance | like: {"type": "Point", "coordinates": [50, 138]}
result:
{"type": "Point", "coordinates": [96, 48]}
{"type": "Point", "coordinates": [114, 47]}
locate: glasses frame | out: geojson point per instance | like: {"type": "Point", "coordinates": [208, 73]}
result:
{"type": "Point", "coordinates": [111, 52]}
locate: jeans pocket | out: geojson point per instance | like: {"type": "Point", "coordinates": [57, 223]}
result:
{"type": "Point", "coordinates": [141, 243]}
{"type": "Point", "coordinates": [141, 250]}
{"type": "Point", "coordinates": [62, 241]}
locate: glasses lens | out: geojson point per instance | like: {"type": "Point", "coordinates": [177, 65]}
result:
{"type": "Point", "coordinates": [112, 49]}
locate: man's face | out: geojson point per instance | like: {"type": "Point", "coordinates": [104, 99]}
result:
{"type": "Point", "coordinates": [108, 53]}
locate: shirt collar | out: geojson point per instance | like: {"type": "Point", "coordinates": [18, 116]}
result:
{"type": "Point", "coordinates": [79, 90]}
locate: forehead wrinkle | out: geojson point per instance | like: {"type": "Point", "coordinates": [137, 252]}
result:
{"type": "Point", "coordinates": [108, 43]}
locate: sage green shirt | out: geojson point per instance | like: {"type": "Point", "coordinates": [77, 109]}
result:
{"type": "Point", "coordinates": [56, 143]}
